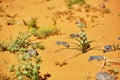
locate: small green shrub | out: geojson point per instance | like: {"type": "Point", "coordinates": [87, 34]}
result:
{"type": "Point", "coordinates": [44, 32]}
{"type": "Point", "coordinates": [37, 45]}
{"type": "Point", "coordinates": [70, 3]}
{"type": "Point", "coordinates": [28, 67]}
{"type": "Point", "coordinates": [22, 42]}
{"type": "Point", "coordinates": [19, 44]}
{"type": "Point", "coordinates": [31, 24]}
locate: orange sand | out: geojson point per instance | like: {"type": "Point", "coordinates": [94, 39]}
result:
{"type": "Point", "coordinates": [78, 67]}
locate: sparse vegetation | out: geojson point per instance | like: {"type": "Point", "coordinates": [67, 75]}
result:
{"type": "Point", "coordinates": [21, 53]}
{"type": "Point", "coordinates": [44, 32]}
{"type": "Point", "coordinates": [28, 67]}
{"type": "Point", "coordinates": [70, 3]}
{"type": "Point", "coordinates": [32, 23]}
{"type": "Point", "coordinates": [20, 44]}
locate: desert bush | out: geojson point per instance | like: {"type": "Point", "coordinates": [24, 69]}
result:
{"type": "Point", "coordinates": [28, 67]}
{"type": "Point", "coordinates": [44, 32]}
{"type": "Point", "coordinates": [20, 44]}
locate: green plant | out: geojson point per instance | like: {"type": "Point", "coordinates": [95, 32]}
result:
{"type": "Point", "coordinates": [28, 67]}
{"type": "Point", "coordinates": [44, 32]}
{"type": "Point", "coordinates": [22, 42]}
{"type": "Point", "coordinates": [19, 44]}
{"type": "Point", "coordinates": [31, 24]}
{"type": "Point", "coordinates": [37, 45]}
{"type": "Point", "coordinates": [83, 44]}
{"type": "Point", "coordinates": [70, 3]}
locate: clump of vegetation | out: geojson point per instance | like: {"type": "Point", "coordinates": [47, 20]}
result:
{"type": "Point", "coordinates": [28, 67]}
{"type": "Point", "coordinates": [44, 32]}
{"type": "Point", "coordinates": [20, 44]}
{"type": "Point", "coordinates": [3, 46]}
{"type": "Point", "coordinates": [32, 24]}
{"type": "Point", "coordinates": [70, 3]}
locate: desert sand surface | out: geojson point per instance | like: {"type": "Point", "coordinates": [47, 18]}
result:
{"type": "Point", "coordinates": [101, 26]}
